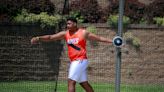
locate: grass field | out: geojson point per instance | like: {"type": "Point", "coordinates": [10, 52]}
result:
{"type": "Point", "coordinates": [44, 86]}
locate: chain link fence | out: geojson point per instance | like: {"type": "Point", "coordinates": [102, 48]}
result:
{"type": "Point", "coordinates": [141, 70]}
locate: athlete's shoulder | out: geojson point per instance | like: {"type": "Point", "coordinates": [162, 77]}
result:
{"type": "Point", "coordinates": [82, 30]}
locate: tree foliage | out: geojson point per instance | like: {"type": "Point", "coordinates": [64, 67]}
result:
{"type": "Point", "coordinates": [14, 7]}
{"type": "Point", "coordinates": [88, 8]}
{"type": "Point", "coordinates": [43, 19]}
{"type": "Point", "coordinates": [155, 9]}
{"type": "Point", "coordinates": [133, 9]}
{"type": "Point", "coordinates": [113, 21]}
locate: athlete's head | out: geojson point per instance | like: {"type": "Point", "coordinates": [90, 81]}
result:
{"type": "Point", "coordinates": [71, 23]}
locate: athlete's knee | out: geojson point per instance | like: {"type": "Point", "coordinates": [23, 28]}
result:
{"type": "Point", "coordinates": [71, 82]}
{"type": "Point", "coordinates": [87, 87]}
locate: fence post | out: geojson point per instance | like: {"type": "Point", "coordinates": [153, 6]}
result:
{"type": "Point", "coordinates": [118, 49]}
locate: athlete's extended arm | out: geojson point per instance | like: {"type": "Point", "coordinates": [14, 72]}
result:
{"type": "Point", "coordinates": [47, 38]}
{"type": "Point", "coordinates": [92, 36]}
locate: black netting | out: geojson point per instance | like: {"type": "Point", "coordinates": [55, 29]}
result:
{"type": "Point", "coordinates": [21, 61]}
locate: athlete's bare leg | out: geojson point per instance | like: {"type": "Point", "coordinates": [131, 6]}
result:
{"type": "Point", "coordinates": [71, 85]}
{"type": "Point", "coordinates": [87, 86]}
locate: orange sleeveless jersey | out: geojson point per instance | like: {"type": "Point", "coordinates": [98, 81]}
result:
{"type": "Point", "coordinates": [76, 45]}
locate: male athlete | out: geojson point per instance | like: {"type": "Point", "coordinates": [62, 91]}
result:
{"type": "Point", "coordinates": [76, 41]}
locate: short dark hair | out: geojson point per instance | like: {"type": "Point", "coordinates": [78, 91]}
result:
{"type": "Point", "coordinates": [73, 19]}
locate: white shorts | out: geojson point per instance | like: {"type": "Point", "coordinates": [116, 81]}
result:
{"type": "Point", "coordinates": [78, 70]}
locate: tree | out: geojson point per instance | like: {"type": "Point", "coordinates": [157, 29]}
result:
{"type": "Point", "coordinates": [10, 8]}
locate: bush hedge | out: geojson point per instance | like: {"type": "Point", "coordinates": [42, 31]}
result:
{"type": "Point", "coordinates": [159, 21]}
{"type": "Point", "coordinates": [113, 21]}
{"type": "Point", "coordinates": [133, 9]}
{"type": "Point", "coordinates": [88, 8]}
{"type": "Point", "coordinates": [155, 9]}
{"type": "Point", "coordinates": [132, 40]}
{"type": "Point", "coordinates": [45, 20]}
{"type": "Point", "coordinates": [13, 7]}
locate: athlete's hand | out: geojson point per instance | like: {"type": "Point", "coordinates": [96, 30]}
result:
{"type": "Point", "coordinates": [34, 40]}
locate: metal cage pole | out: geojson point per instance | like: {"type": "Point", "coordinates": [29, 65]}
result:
{"type": "Point", "coordinates": [118, 49]}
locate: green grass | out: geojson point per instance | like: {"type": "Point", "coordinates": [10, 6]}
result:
{"type": "Point", "coordinates": [42, 86]}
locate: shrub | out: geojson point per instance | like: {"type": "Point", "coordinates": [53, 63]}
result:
{"type": "Point", "coordinates": [143, 21]}
{"type": "Point", "coordinates": [132, 40]}
{"type": "Point", "coordinates": [136, 42]}
{"type": "Point", "coordinates": [43, 19]}
{"type": "Point", "coordinates": [113, 21]}
{"type": "Point", "coordinates": [133, 9]}
{"type": "Point", "coordinates": [113, 7]}
{"type": "Point", "coordinates": [139, 12]}
{"type": "Point", "coordinates": [88, 8]}
{"type": "Point", "coordinates": [159, 21]}
{"type": "Point", "coordinates": [13, 7]}
{"type": "Point", "coordinates": [155, 9]}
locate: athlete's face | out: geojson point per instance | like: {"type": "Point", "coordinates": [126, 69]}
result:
{"type": "Point", "coordinates": [71, 24]}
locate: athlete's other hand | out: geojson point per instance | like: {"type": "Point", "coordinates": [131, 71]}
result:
{"type": "Point", "coordinates": [34, 40]}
